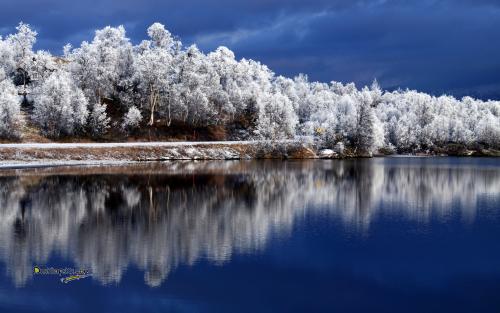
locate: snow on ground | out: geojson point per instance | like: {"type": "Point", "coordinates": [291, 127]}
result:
{"type": "Point", "coordinates": [123, 144]}
{"type": "Point", "coordinates": [25, 155]}
{"type": "Point", "coordinates": [52, 163]}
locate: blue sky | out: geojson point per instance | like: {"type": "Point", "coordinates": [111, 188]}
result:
{"type": "Point", "coordinates": [435, 46]}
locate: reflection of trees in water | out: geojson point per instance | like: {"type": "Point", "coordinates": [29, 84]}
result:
{"type": "Point", "coordinates": [157, 219]}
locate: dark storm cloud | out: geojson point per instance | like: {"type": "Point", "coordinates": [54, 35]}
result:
{"type": "Point", "coordinates": [435, 46]}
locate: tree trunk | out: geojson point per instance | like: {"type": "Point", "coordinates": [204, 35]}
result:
{"type": "Point", "coordinates": [169, 120]}
{"type": "Point", "coordinates": [152, 105]}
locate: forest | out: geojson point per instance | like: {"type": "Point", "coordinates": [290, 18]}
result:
{"type": "Point", "coordinates": [109, 89]}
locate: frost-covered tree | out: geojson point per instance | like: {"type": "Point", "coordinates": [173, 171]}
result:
{"type": "Point", "coordinates": [22, 41]}
{"type": "Point", "coordinates": [227, 96]}
{"type": "Point", "coordinates": [160, 37]}
{"type": "Point", "coordinates": [43, 65]}
{"type": "Point", "coordinates": [363, 136]}
{"type": "Point", "coordinates": [7, 62]}
{"type": "Point", "coordinates": [104, 66]}
{"type": "Point", "coordinates": [154, 71]}
{"type": "Point", "coordinates": [159, 79]}
{"type": "Point", "coordinates": [405, 135]}
{"type": "Point", "coordinates": [99, 121]}
{"type": "Point", "coordinates": [60, 107]}
{"type": "Point", "coordinates": [488, 130]}
{"type": "Point", "coordinates": [21, 44]}
{"type": "Point", "coordinates": [277, 119]}
{"type": "Point", "coordinates": [196, 85]}
{"type": "Point", "coordinates": [10, 114]}
{"type": "Point", "coordinates": [132, 119]}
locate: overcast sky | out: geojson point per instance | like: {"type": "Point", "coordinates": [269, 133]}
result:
{"type": "Point", "coordinates": [448, 46]}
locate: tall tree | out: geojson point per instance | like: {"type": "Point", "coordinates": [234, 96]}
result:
{"type": "Point", "coordinates": [154, 70]}
{"type": "Point", "coordinates": [22, 47]}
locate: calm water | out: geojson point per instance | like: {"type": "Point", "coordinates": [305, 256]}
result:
{"type": "Point", "coordinates": [378, 235]}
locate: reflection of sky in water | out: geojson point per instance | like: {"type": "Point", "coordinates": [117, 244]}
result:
{"type": "Point", "coordinates": [389, 223]}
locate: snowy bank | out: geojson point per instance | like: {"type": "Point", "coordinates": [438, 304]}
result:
{"type": "Point", "coordinates": [54, 154]}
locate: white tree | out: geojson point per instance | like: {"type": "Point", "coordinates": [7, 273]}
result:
{"type": "Point", "coordinates": [103, 66]}
{"type": "Point", "coordinates": [197, 81]}
{"type": "Point", "coordinates": [227, 95]}
{"type": "Point", "coordinates": [7, 62]}
{"type": "Point", "coordinates": [60, 107]}
{"type": "Point", "coordinates": [253, 80]}
{"type": "Point", "coordinates": [160, 37]}
{"type": "Point", "coordinates": [163, 80]}
{"type": "Point", "coordinates": [488, 130]}
{"type": "Point", "coordinates": [43, 64]}
{"type": "Point", "coordinates": [22, 47]}
{"type": "Point", "coordinates": [363, 133]}
{"type": "Point", "coordinates": [98, 120]}
{"type": "Point", "coordinates": [10, 114]}
{"type": "Point", "coordinates": [154, 71]}
{"type": "Point", "coordinates": [3, 76]}
{"type": "Point", "coordinates": [405, 135]}
{"type": "Point", "coordinates": [277, 119]}
{"type": "Point", "coordinates": [379, 140]}
{"type": "Point", "coordinates": [132, 119]}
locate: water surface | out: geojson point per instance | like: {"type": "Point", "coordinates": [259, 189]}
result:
{"type": "Point", "coordinates": [378, 235]}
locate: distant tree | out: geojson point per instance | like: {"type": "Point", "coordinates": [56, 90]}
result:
{"type": "Point", "coordinates": [488, 130]}
{"type": "Point", "coordinates": [363, 136]}
{"type": "Point", "coordinates": [405, 133]}
{"type": "Point", "coordinates": [376, 93]}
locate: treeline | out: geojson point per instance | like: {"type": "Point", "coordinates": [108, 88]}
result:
{"type": "Point", "coordinates": [109, 83]}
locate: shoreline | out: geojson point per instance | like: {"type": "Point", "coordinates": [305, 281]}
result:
{"type": "Point", "coordinates": [24, 155]}
{"type": "Point", "coordinates": [37, 155]}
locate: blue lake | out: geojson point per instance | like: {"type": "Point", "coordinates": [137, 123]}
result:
{"type": "Point", "coordinates": [368, 235]}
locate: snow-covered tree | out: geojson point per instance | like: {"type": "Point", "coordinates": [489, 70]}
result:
{"type": "Point", "coordinates": [197, 84]}
{"type": "Point", "coordinates": [154, 71]}
{"type": "Point", "coordinates": [277, 119]}
{"type": "Point", "coordinates": [104, 66]}
{"type": "Point", "coordinates": [158, 79]}
{"type": "Point", "coordinates": [132, 119]}
{"type": "Point", "coordinates": [363, 136]}
{"type": "Point", "coordinates": [60, 107]}
{"type": "Point", "coordinates": [10, 114]}
{"type": "Point", "coordinates": [227, 96]}
{"type": "Point", "coordinates": [160, 37]}
{"type": "Point", "coordinates": [43, 65]}
{"type": "Point", "coordinates": [488, 130]}
{"type": "Point", "coordinates": [98, 123]}
{"type": "Point", "coordinates": [7, 62]}
{"type": "Point", "coordinates": [21, 44]}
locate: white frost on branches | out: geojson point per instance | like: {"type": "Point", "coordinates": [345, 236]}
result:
{"type": "Point", "coordinates": [132, 119]}
{"type": "Point", "coordinates": [98, 120]}
{"type": "Point", "coordinates": [163, 82]}
{"type": "Point", "coordinates": [10, 113]}
{"type": "Point", "coordinates": [60, 107]}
